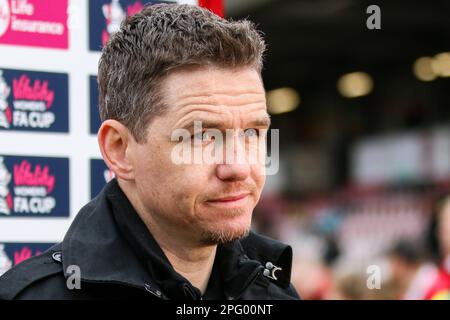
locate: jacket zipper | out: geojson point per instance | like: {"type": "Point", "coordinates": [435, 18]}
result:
{"type": "Point", "coordinates": [146, 287]}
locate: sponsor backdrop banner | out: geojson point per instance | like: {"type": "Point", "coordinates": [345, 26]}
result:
{"type": "Point", "coordinates": [14, 253]}
{"type": "Point", "coordinates": [33, 101]}
{"type": "Point", "coordinates": [36, 23]}
{"type": "Point", "coordinates": [34, 186]}
{"type": "Point", "coordinates": [94, 115]}
{"type": "Point", "coordinates": [105, 16]}
{"type": "Point", "coordinates": [50, 164]}
{"type": "Point", "coordinates": [100, 175]}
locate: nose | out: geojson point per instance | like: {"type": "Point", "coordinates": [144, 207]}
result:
{"type": "Point", "coordinates": [237, 168]}
{"type": "Point", "coordinates": [233, 172]}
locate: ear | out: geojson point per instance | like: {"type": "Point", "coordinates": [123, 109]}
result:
{"type": "Point", "coordinates": [114, 140]}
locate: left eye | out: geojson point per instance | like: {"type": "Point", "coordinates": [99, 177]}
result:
{"type": "Point", "coordinates": [251, 132]}
{"type": "Point", "coordinates": [204, 136]}
{"type": "Point", "coordinates": [208, 136]}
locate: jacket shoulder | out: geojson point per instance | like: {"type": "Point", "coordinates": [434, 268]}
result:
{"type": "Point", "coordinates": [265, 249]}
{"type": "Point", "coordinates": [277, 259]}
{"type": "Point", "coordinates": [262, 247]}
{"type": "Point", "coordinates": [36, 271]}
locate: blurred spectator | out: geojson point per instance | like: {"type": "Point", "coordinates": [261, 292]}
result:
{"type": "Point", "coordinates": [441, 230]}
{"type": "Point", "coordinates": [349, 286]}
{"type": "Point", "coordinates": [311, 278]}
{"type": "Point", "coordinates": [353, 286]}
{"type": "Point", "coordinates": [411, 274]}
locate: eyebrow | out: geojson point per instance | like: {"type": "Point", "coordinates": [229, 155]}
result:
{"type": "Point", "coordinates": [216, 124]}
{"type": "Point", "coordinates": [262, 121]}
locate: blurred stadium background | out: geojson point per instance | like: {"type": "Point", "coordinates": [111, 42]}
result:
{"type": "Point", "coordinates": [364, 123]}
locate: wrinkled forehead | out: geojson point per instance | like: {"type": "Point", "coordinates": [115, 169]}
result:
{"type": "Point", "coordinates": [213, 85]}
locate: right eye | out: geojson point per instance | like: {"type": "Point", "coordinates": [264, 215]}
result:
{"type": "Point", "coordinates": [203, 136]}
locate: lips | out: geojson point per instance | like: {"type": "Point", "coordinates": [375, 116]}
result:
{"type": "Point", "coordinates": [231, 198]}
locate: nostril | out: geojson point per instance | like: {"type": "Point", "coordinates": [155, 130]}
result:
{"type": "Point", "coordinates": [233, 171]}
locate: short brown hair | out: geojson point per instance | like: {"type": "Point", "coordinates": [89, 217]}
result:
{"type": "Point", "coordinates": [157, 40]}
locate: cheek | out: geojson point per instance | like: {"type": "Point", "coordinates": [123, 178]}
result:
{"type": "Point", "coordinates": [259, 176]}
{"type": "Point", "coordinates": [153, 176]}
{"type": "Point", "coordinates": [177, 185]}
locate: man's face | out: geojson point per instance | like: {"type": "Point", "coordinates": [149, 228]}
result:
{"type": "Point", "coordinates": [207, 203]}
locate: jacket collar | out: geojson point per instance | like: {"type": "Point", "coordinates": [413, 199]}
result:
{"type": "Point", "coordinates": [110, 243]}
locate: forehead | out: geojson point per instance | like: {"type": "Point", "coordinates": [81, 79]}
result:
{"type": "Point", "coordinates": [214, 86]}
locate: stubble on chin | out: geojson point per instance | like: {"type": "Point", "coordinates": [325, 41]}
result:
{"type": "Point", "coordinates": [223, 236]}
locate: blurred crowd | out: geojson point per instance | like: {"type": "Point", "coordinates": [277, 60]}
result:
{"type": "Point", "coordinates": [391, 245]}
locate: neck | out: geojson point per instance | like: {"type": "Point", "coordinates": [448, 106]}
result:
{"type": "Point", "coordinates": [195, 264]}
{"type": "Point", "coordinates": [191, 259]}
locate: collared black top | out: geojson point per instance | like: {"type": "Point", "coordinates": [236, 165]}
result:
{"type": "Point", "coordinates": [118, 258]}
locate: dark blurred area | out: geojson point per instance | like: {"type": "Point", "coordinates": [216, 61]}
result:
{"type": "Point", "coordinates": [364, 122]}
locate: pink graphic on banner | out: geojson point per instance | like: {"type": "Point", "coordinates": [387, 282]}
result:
{"type": "Point", "coordinates": [22, 255]}
{"type": "Point", "coordinates": [9, 201]}
{"type": "Point", "coordinates": [8, 115]}
{"type": "Point", "coordinates": [24, 176]}
{"type": "Point", "coordinates": [134, 8]}
{"type": "Point", "coordinates": [37, 23]}
{"type": "Point", "coordinates": [38, 91]}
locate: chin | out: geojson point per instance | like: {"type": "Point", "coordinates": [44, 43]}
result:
{"type": "Point", "coordinates": [225, 225]}
{"type": "Point", "coordinates": [223, 236]}
{"type": "Point", "coordinates": [224, 231]}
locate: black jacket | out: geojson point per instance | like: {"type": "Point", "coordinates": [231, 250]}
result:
{"type": "Point", "coordinates": [119, 259]}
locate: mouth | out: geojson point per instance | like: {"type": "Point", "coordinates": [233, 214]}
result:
{"type": "Point", "coordinates": [231, 201]}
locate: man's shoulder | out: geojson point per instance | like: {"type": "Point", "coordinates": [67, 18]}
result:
{"type": "Point", "coordinates": [40, 271]}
